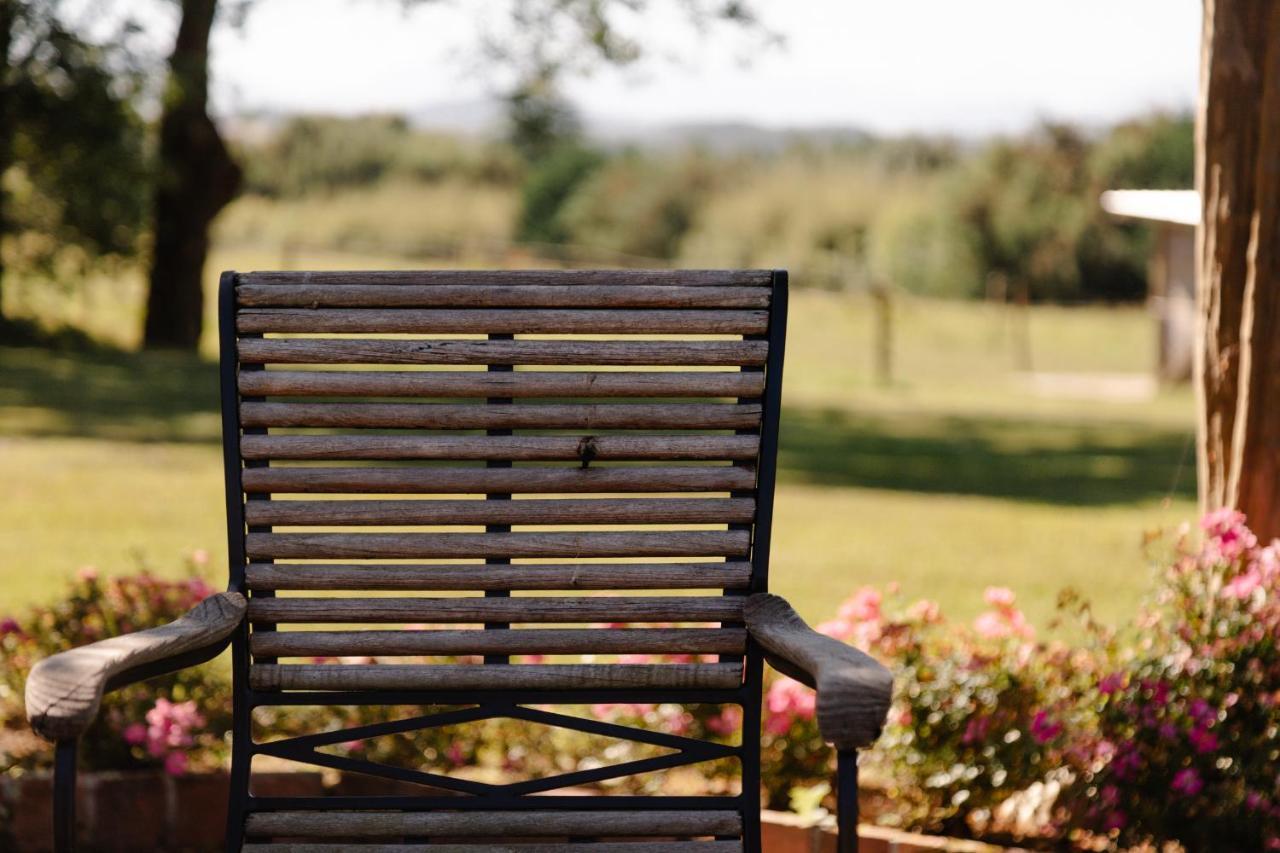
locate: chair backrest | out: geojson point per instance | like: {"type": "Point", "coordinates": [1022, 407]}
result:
{"type": "Point", "coordinates": [488, 466]}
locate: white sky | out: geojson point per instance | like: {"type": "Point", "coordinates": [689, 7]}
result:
{"type": "Point", "coordinates": [964, 66]}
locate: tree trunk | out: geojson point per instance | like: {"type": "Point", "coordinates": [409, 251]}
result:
{"type": "Point", "coordinates": [197, 178]}
{"type": "Point", "coordinates": [1238, 175]}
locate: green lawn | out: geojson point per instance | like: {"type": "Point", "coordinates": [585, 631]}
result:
{"type": "Point", "coordinates": [955, 476]}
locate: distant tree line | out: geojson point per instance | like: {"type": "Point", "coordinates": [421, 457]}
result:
{"type": "Point", "coordinates": [1013, 216]}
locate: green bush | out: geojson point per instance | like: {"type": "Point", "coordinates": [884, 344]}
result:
{"type": "Point", "coordinates": [548, 187]}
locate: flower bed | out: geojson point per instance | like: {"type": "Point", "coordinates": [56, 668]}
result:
{"type": "Point", "coordinates": [1164, 729]}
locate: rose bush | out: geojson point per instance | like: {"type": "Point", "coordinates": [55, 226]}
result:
{"type": "Point", "coordinates": [1187, 744]}
{"type": "Point", "coordinates": [175, 721]}
{"type": "Point", "coordinates": [1164, 730]}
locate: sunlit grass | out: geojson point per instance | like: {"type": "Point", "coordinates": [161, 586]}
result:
{"type": "Point", "coordinates": [952, 477]}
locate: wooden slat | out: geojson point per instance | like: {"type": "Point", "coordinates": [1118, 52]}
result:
{"type": "Point", "coordinates": [570, 676]}
{"type": "Point", "coordinates": [522, 448]}
{"type": "Point", "coordinates": [488, 278]}
{"type": "Point", "coordinates": [328, 383]}
{"type": "Point", "coordinates": [499, 296]}
{"type": "Point", "coordinates": [526, 609]}
{"type": "Point", "coordinates": [427, 321]}
{"type": "Point", "coordinates": [602, 353]}
{"type": "Point", "coordinates": [481, 824]}
{"type": "Point", "coordinates": [688, 478]}
{"type": "Point", "coordinates": [674, 543]}
{"type": "Point", "coordinates": [586, 576]}
{"type": "Point", "coordinates": [482, 416]}
{"type": "Point", "coordinates": [602, 847]}
{"type": "Point", "coordinates": [563, 511]}
{"type": "Point", "coordinates": [547, 641]}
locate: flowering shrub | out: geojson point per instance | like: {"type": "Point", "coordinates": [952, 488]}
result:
{"type": "Point", "coordinates": [1188, 741]}
{"type": "Point", "coordinates": [1167, 730]}
{"type": "Point", "coordinates": [184, 726]}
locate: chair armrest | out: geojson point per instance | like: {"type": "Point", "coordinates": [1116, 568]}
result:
{"type": "Point", "coordinates": [65, 690]}
{"type": "Point", "coordinates": [854, 689]}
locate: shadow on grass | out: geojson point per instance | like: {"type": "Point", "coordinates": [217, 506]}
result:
{"type": "Point", "coordinates": [104, 393]}
{"type": "Point", "coordinates": [1067, 463]}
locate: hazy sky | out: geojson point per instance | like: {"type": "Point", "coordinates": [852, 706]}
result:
{"type": "Point", "coordinates": [965, 66]}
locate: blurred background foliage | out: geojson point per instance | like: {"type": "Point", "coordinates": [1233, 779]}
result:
{"type": "Point", "coordinates": [931, 216]}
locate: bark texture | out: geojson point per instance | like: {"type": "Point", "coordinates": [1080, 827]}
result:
{"type": "Point", "coordinates": [1238, 176]}
{"type": "Point", "coordinates": [197, 179]}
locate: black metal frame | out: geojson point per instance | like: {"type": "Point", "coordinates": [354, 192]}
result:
{"type": "Point", "coordinates": [479, 705]}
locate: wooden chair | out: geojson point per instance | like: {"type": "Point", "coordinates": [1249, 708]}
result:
{"type": "Point", "coordinates": [633, 387]}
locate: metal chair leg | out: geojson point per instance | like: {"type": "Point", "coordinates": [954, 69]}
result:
{"type": "Point", "coordinates": [64, 796]}
{"type": "Point", "coordinates": [847, 801]}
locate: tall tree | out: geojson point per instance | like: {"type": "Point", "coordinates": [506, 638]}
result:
{"type": "Point", "coordinates": [72, 170]}
{"type": "Point", "coordinates": [196, 179]}
{"type": "Point", "coordinates": [1238, 176]}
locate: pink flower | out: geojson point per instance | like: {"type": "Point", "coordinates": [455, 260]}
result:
{"type": "Point", "coordinates": [991, 625]}
{"type": "Point", "coordinates": [926, 611]}
{"type": "Point", "coordinates": [200, 557]}
{"type": "Point", "coordinates": [862, 606]}
{"type": "Point", "coordinates": [175, 763]}
{"type": "Point", "coordinates": [1203, 740]}
{"type": "Point", "coordinates": [135, 734]}
{"type": "Point", "coordinates": [975, 731]}
{"type": "Point", "coordinates": [1187, 782]}
{"type": "Point", "coordinates": [839, 629]}
{"type": "Point", "coordinates": [999, 597]}
{"type": "Point", "coordinates": [9, 625]}
{"type": "Point", "coordinates": [1202, 712]}
{"type": "Point", "coordinates": [1044, 730]}
{"type": "Point", "coordinates": [788, 700]}
{"type": "Point", "coordinates": [1228, 536]}
{"type": "Point", "coordinates": [1243, 585]}
{"type": "Point", "coordinates": [87, 573]}
{"type": "Point", "coordinates": [726, 722]}
{"type": "Point", "coordinates": [455, 754]}
{"type": "Point", "coordinates": [1111, 683]}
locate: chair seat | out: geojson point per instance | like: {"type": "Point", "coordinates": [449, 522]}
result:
{"type": "Point", "coordinates": [717, 676]}
{"type": "Point", "coordinates": [605, 847]}
{"type": "Point", "coordinates": [474, 831]}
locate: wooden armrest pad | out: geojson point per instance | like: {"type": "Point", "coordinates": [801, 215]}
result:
{"type": "Point", "coordinates": [64, 690]}
{"type": "Point", "coordinates": [854, 689]}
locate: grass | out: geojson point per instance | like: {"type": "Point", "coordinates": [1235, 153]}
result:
{"type": "Point", "coordinates": [954, 476]}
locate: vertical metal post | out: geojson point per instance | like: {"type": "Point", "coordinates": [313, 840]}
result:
{"type": "Point", "coordinates": [64, 796]}
{"type": "Point", "coordinates": [847, 801]}
{"type": "Point", "coordinates": [242, 730]}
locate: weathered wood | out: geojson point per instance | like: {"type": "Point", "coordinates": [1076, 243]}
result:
{"type": "Point", "coordinates": [545, 641]}
{"type": "Point", "coordinates": [567, 676]}
{"type": "Point", "coordinates": [481, 416]}
{"type": "Point", "coordinates": [64, 691]}
{"type": "Point", "coordinates": [584, 576]}
{"type": "Point", "coordinates": [585, 353]}
{"type": "Point", "coordinates": [688, 478]}
{"type": "Point", "coordinates": [488, 278]}
{"type": "Point", "coordinates": [490, 824]}
{"type": "Point", "coordinates": [517, 321]}
{"type": "Point", "coordinates": [854, 690]}
{"type": "Point", "coordinates": [417, 383]}
{"type": "Point", "coordinates": [547, 448]}
{"type": "Point", "coordinates": [562, 511]}
{"type": "Point", "coordinates": [601, 847]}
{"type": "Point", "coordinates": [529, 609]}
{"type": "Point", "coordinates": [499, 296]}
{"type": "Point", "coordinates": [672, 543]}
